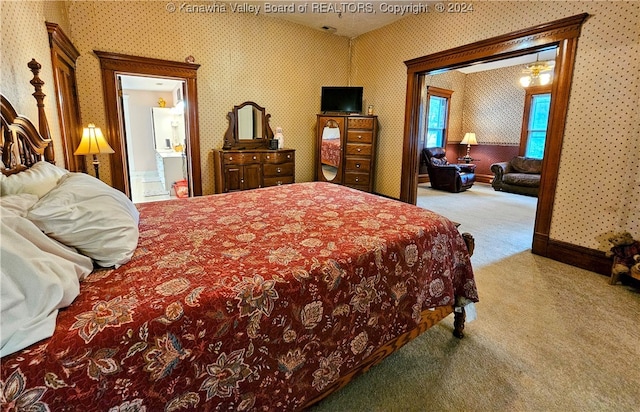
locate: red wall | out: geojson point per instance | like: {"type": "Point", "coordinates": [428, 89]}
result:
{"type": "Point", "coordinates": [483, 157]}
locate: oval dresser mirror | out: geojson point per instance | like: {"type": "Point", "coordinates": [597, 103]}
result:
{"type": "Point", "coordinates": [331, 150]}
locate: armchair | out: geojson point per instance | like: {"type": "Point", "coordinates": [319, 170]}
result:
{"type": "Point", "coordinates": [444, 175]}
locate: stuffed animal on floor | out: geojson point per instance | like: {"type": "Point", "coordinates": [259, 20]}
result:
{"type": "Point", "coordinates": [625, 252]}
{"type": "Point", "coordinates": [635, 269]}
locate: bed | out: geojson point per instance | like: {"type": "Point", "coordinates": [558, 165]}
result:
{"type": "Point", "coordinates": [268, 299]}
{"type": "Point", "coordinates": [331, 151]}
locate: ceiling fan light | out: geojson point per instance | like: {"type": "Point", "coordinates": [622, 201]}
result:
{"type": "Point", "coordinates": [525, 81]}
{"type": "Point", "coordinates": [545, 78]}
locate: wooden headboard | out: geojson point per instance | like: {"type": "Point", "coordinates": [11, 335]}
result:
{"type": "Point", "coordinates": [22, 143]}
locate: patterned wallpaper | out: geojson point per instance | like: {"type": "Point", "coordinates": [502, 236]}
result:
{"type": "Point", "coordinates": [598, 184]}
{"type": "Point", "coordinates": [455, 81]}
{"type": "Point", "coordinates": [489, 103]}
{"type": "Point", "coordinates": [277, 64]}
{"type": "Point", "coordinates": [282, 66]}
{"type": "Point", "coordinates": [23, 36]}
{"type": "Point", "coordinates": [493, 106]}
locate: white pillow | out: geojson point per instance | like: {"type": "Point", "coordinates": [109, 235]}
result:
{"type": "Point", "coordinates": [39, 179]}
{"type": "Point", "coordinates": [18, 204]}
{"type": "Point", "coordinates": [38, 277]}
{"type": "Point", "coordinates": [85, 213]}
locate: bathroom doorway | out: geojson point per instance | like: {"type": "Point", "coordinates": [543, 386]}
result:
{"type": "Point", "coordinates": [155, 134]}
{"type": "Point", "coordinates": [115, 65]}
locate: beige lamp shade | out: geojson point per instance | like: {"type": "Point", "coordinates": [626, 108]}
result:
{"type": "Point", "coordinates": [469, 139]}
{"type": "Point", "coordinates": [93, 142]}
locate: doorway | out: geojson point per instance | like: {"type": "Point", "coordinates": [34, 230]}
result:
{"type": "Point", "coordinates": [155, 133]}
{"type": "Point", "coordinates": [562, 34]}
{"type": "Point", "coordinates": [114, 65]}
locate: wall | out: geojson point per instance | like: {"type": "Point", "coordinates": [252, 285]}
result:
{"type": "Point", "coordinates": [455, 81]}
{"type": "Point", "coordinates": [282, 66]}
{"type": "Point", "coordinates": [142, 138]}
{"type": "Point", "coordinates": [493, 106]}
{"type": "Point", "coordinates": [23, 36]}
{"type": "Point", "coordinates": [279, 65]}
{"type": "Point", "coordinates": [598, 183]}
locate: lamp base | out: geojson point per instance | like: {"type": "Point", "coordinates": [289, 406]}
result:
{"type": "Point", "coordinates": [96, 166]}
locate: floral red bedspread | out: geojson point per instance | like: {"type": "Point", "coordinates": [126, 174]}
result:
{"type": "Point", "coordinates": [250, 300]}
{"type": "Point", "coordinates": [331, 152]}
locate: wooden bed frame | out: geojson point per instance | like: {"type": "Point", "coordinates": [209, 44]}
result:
{"type": "Point", "coordinates": [23, 145]}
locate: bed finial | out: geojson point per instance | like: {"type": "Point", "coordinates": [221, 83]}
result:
{"type": "Point", "coordinates": [43, 125]}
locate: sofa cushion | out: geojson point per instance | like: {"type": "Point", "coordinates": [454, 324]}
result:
{"type": "Point", "coordinates": [522, 179]}
{"type": "Point", "coordinates": [526, 165]}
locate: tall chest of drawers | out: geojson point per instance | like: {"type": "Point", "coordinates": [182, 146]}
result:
{"type": "Point", "coordinates": [250, 169]}
{"type": "Point", "coordinates": [358, 136]}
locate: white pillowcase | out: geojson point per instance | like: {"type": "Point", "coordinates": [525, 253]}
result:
{"type": "Point", "coordinates": [85, 213]}
{"type": "Point", "coordinates": [39, 179]}
{"type": "Point", "coordinates": [38, 277]}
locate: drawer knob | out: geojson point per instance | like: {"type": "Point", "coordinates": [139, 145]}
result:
{"type": "Point", "coordinates": [268, 157]}
{"type": "Point", "coordinates": [279, 182]}
{"type": "Point", "coordinates": [254, 157]}
{"type": "Point", "coordinates": [230, 158]}
{"type": "Point", "coordinates": [278, 170]}
{"type": "Point", "coordinates": [357, 165]}
{"type": "Point", "coordinates": [359, 137]}
{"type": "Point", "coordinates": [357, 179]}
{"type": "Point", "coordinates": [358, 149]}
{"type": "Point", "coordinates": [289, 156]}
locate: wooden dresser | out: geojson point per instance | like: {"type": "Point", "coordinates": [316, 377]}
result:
{"type": "Point", "coordinates": [356, 166]}
{"type": "Point", "coordinates": [252, 168]}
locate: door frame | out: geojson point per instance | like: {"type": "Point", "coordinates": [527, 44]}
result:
{"type": "Point", "coordinates": [562, 34]}
{"type": "Point", "coordinates": [114, 64]}
{"type": "Point", "coordinates": [63, 61]}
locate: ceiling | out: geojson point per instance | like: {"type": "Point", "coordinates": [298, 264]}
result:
{"type": "Point", "coordinates": [522, 60]}
{"type": "Point", "coordinates": [340, 23]}
{"type": "Point", "coordinates": [152, 84]}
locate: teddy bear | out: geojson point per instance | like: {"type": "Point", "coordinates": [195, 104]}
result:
{"type": "Point", "coordinates": [626, 254]}
{"type": "Point", "coordinates": [635, 269]}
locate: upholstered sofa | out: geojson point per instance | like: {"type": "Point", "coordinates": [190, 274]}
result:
{"type": "Point", "coordinates": [519, 175]}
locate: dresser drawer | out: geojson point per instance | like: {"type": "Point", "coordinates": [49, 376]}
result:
{"type": "Point", "coordinates": [240, 158]}
{"type": "Point", "coordinates": [358, 149]}
{"type": "Point", "coordinates": [277, 181]}
{"type": "Point", "coordinates": [360, 123]}
{"type": "Point", "coordinates": [356, 178]}
{"type": "Point", "coordinates": [359, 136]}
{"type": "Point", "coordinates": [284, 169]}
{"type": "Point", "coordinates": [278, 157]}
{"type": "Point", "coordinates": [357, 164]}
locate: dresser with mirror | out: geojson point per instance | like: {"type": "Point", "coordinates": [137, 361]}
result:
{"type": "Point", "coordinates": [346, 150]}
{"type": "Point", "coordinates": [247, 161]}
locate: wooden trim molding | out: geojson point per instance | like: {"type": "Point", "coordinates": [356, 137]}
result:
{"type": "Point", "coordinates": [114, 64]}
{"type": "Point", "coordinates": [63, 60]}
{"type": "Point", "coordinates": [562, 34]}
{"type": "Point", "coordinates": [578, 256]}
{"type": "Point", "coordinates": [526, 114]}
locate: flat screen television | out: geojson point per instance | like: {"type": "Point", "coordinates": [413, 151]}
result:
{"type": "Point", "coordinates": [341, 99]}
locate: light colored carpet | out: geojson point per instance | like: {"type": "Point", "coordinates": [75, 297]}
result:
{"type": "Point", "coordinates": [549, 337]}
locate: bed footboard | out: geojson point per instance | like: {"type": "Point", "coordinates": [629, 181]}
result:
{"type": "Point", "coordinates": [429, 319]}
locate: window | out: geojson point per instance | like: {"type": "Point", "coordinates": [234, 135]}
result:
{"type": "Point", "coordinates": [435, 117]}
{"type": "Point", "coordinates": [535, 122]}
